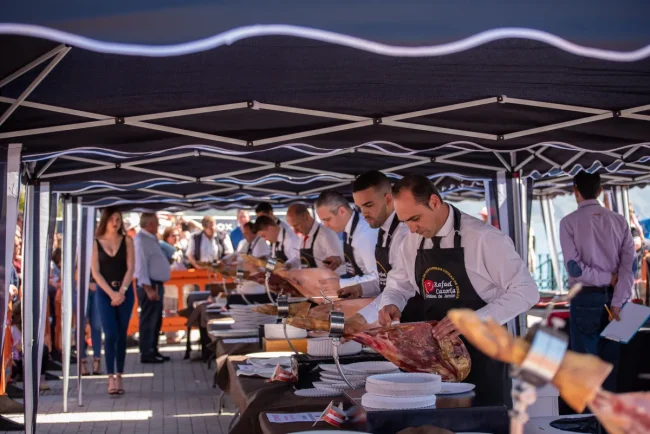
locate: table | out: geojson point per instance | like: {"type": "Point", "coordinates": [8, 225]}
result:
{"type": "Point", "coordinates": [453, 412]}
{"type": "Point", "coordinates": [253, 396]}
{"type": "Point", "coordinates": [222, 351]}
{"type": "Point", "coordinates": [286, 428]}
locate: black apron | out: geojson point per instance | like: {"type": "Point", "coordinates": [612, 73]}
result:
{"type": "Point", "coordinates": [307, 259]}
{"type": "Point", "coordinates": [251, 246]}
{"type": "Point", "coordinates": [351, 267]}
{"type": "Point", "coordinates": [278, 251]}
{"type": "Point", "coordinates": [444, 285]}
{"type": "Point", "coordinates": [382, 254]}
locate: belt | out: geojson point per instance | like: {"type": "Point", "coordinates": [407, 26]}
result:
{"type": "Point", "coordinates": [597, 289]}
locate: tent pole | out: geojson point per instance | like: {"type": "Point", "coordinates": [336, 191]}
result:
{"type": "Point", "coordinates": [69, 250]}
{"type": "Point", "coordinates": [548, 216]}
{"type": "Point", "coordinates": [10, 186]}
{"type": "Point", "coordinates": [8, 217]}
{"type": "Point", "coordinates": [35, 278]}
{"type": "Point", "coordinates": [510, 193]}
{"type": "Point", "coordinates": [86, 225]}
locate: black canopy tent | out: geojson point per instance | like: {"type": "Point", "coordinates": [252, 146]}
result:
{"type": "Point", "coordinates": [279, 113]}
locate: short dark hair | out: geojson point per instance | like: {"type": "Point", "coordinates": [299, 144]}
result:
{"type": "Point", "coordinates": [263, 222]}
{"type": "Point", "coordinates": [374, 179]}
{"type": "Point", "coordinates": [264, 207]}
{"type": "Point", "coordinates": [250, 226]}
{"type": "Point", "coordinates": [299, 209]}
{"type": "Point", "coordinates": [333, 200]}
{"type": "Point", "coordinates": [420, 187]}
{"type": "Point", "coordinates": [588, 184]}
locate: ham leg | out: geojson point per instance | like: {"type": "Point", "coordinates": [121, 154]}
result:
{"type": "Point", "coordinates": [578, 379]}
{"type": "Point", "coordinates": [628, 413]}
{"type": "Point", "coordinates": [410, 346]}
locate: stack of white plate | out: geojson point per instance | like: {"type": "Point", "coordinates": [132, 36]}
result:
{"type": "Point", "coordinates": [356, 374]}
{"type": "Point", "coordinates": [401, 391]}
{"type": "Point", "coordinates": [246, 319]}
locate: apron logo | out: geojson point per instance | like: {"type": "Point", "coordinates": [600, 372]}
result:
{"type": "Point", "coordinates": [439, 283]}
{"type": "Point", "coordinates": [349, 268]}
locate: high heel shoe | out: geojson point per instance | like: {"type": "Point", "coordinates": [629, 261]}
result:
{"type": "Point", "coordinates": [112, 389]}
{"type": "Point", "coordinates": [119, 387]}
{"type": "Point", "coordinates": [84, 368]}
{"type": "Point", "coordinates": [97, 367]}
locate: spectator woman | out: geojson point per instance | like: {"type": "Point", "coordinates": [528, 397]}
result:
{"type": "Point", "coordinates": [171, 248]}
{"type": "Point", "coordinates": [113, 263]}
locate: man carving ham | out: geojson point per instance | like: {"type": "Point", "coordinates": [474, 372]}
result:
{"type": "Point", "coordinates": [451, 260]}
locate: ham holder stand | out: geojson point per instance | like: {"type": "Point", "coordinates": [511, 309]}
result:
{"type": "Point", "coordinates": [548, 345]}
{"type": "Point", "coordinates": [337, 324]}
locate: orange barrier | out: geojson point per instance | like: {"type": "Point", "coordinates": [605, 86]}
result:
{"type": "Point", "coordinates": [174, 322]}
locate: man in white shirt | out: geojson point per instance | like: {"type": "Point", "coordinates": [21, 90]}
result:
{"type": "Point", "coordinates": [285, 245]}
{"type": "Point", "coordinates": [373, 196]}
{"type": "Point", "coordinates": [319, 246]}
{"type": "Point", "coordinates": [152, 270]}
{"type": "Point", "coordinates": [209, 245]}
{"type": "Point", "coordinates": [252, 244]}
{"type": "Point", "coordinates": [452, 260]}
{"type": "Point", "coordinates": [265, 209]}
{"type": "Point", "coordinates": [358, 242]}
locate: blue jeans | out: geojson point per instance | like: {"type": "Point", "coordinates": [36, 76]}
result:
{"type": "Point", "coordinates": [92, 317]}
{"type": "Point", "coordinates": [150, 320]}
{"type": "Point", "coordinates": [115, 322]}
{"type": "Point", "coordinates": [588, 319]}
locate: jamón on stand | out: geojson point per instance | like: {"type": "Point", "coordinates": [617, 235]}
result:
{"type": "Point", "coordinates": [410, 346]}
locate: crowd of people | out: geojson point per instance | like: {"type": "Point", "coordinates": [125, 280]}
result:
{"type": "Point", "coordinates": [401, 244]}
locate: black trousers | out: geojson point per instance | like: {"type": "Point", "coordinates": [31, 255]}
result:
{"type": "Point", "coordinates": [150, 319]}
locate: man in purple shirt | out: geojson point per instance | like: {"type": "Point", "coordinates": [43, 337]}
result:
{"type": "Point", "coordinates": [599, 253]}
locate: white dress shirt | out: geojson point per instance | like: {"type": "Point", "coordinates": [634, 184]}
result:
{"type": "Point", "coordinates": [371, 312]}
{"type": "Point", "coordinates": [495, 269]}
{"type": "Point", "coordinates": [210, 248]}
{"type": "Point", "coordinates": [364, 240]}
{"type": "Point", "coordinates": [150, 260]}
{"type": "Point", "coordinates": [327, 244]}
{"type": "Point", "coordinates": [260, 247]}
{"type": "Point", "coordinates": [291, 245]}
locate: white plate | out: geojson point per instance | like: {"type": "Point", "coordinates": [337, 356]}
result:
{"type": "Point", "coordinates": [264, 372]}
{"type": "Point", "coordinates": [404, 384]}
{"type": "Point", "coordinates": [324, 375]}
{"type": "Point", "coordinates": [331, 367]}
{"type": "Point", "coordinates": [264, 363]}
{"type": "Point", "coordinates": [335, 386]}
{"type": "Point", "coordinates": [318, 393]}
{"type": "Point", "coordinates": [371, 367]}
{"type": "Point", "coordinates": [455, 388]}
{"type": "Point", "coordinates": [370, 400]}
{"type": "Point", "coordinates": [269, 354]}
{"type": "Point", "coordinates": [340, 382]}
{"type": "Point", "coordinates": [234, 333]}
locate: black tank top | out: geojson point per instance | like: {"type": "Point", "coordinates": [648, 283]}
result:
{"type": "Point", "coordinates": [112, 268]}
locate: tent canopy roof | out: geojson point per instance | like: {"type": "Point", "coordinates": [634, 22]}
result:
{"type": "Point", "coordinates": [283, 117]}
